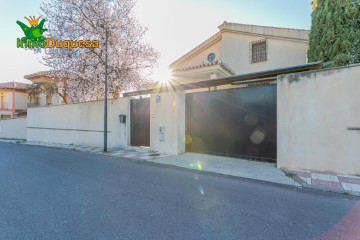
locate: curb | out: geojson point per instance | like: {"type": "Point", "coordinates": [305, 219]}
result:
{"type": "Point", "coordinates": [295, 177]}
{"type": "Point", "coordinates": [306, 185]}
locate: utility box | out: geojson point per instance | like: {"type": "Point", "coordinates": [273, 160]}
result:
{"type": "Point", "coordinates": [161, 133]}
{"type": "Point", "coordinates": [122, 118]}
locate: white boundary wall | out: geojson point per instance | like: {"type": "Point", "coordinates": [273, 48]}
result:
{"type": "Point", "coordinates": [168, 112]}
{"type": "Point", "coordinates": [81, 123]}
{"type": "Point", "coordinates": [14, 128]}
{"type": "Point", "coordinates": [319, 120]}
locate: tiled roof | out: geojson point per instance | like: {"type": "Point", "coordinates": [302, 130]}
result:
{"type": "Point", "coordinates": [14, 85]}
{"type": "Point", "coordinates": [217, 62]}
{"type": "Point", "coordinates": [288, 33]}
{"type": "Point", "coordinates": [262, 26]}
{"type": "Point", "coordinates": [50, 74]}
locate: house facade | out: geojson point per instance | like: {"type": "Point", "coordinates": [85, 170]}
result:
{"type": "Point", "coordinates": [13, 99]}
{"type": "Point", "coordinates": [44, 99]}
{"type": "Point", "coordinates": [14, 96]}
{"type": "Point", "coordinates": [240, 49]}
{"type": "Point", "coordinates": [226, 84]}
{"type": "Point", "coordinates": [230, 88]}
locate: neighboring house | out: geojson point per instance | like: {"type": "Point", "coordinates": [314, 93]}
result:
{"type": "Point", "coordinates": [13, 99]}
{"type": "Point", "coordinates": [239, 49]}
{"type": "Point", "coordinates": [44, 99]}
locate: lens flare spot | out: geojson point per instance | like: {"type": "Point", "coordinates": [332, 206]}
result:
{"type": "Point", "coordinates": [201, 189]}
{"type": "Point", "coordinates": [188, 139]}
{"type": "Point", "coordinates": [257, 136]}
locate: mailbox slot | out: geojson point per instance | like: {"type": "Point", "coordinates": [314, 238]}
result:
{"type": "Point", "coordinates": [161, 133]}
{"type": "Point", "coordinates": [122, 118]}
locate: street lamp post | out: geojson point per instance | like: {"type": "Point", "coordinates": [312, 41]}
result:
{"type": "Point", "coordinates": [106, 90]}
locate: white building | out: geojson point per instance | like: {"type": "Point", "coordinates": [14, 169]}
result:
{"type": "Point", "coordinates": [238, 49]}
{"type": "Point", "coordinates": [13, 99]}
{"type": "Point", "coordinates": [44, 99]}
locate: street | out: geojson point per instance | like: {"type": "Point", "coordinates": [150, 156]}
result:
{"type": "Point", "coordinates": [56, 194]}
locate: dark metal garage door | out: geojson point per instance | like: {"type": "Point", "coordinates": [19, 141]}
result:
{"type": "Point", "coordinates": [235, 122]}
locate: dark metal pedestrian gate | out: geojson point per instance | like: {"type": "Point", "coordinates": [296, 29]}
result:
{"type": "Point", "coordinates": [234, 122]}
{"type": "Point", "coordinates": [140, 122]}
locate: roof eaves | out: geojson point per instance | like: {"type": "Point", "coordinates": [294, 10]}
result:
{"type": "Point", "coordinates": [232, 79]}
{"type": "Point", "coordinates": [225, 23]}
{"type": "Point", "coordinates": [14, 85]}
{"type": "Point", "coordinates": [50, 73]}
{"type": "Point", "coordinates": [213, 39]}
{"type": "Point", "coordinates": [204, 65]}
{"type": "Point", "coordinates": [291, 33]}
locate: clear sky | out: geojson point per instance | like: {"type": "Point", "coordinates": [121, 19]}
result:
{"type": "Point", "coordinates": [174, 26]}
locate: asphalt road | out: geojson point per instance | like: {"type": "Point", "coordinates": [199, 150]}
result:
{"type": "Point", "coordinates": [57, 194]}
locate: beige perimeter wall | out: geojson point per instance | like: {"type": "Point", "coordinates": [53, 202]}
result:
{"type": "Point", "coordinates": [81, 123]}
{"type": "Point", "coordinates": [169, 113]}
{"type": "Point", "coordinates": [13, 128]}
{"type": "Point", "coordinates": [319, 120]}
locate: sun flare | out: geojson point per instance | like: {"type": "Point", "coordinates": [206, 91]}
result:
{"type": "Point", "coordinates": [166, 77]}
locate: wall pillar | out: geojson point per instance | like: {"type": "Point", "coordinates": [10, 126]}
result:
{"type": "Point", "coordinates": [13, 104]}
{"type": "Point", "coordinates": [167, 110]}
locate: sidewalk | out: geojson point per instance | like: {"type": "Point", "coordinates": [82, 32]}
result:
{"type": "Point", "coordinates": [113, 152]}
{"type": "Point", "coordinates": [327, 181]}
{"type": "Point", "coordinates": [201, 162]}
{"type": "Point", "coordinates": [229, 166]}
{"type": "Point", "coordinates": [226, 166]}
